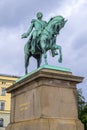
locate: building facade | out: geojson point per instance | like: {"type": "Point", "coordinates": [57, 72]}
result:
{"type": "Point", "coordinates": [5, 82]}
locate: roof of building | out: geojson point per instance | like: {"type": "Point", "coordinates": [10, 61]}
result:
{"type": "Point", "coordinates": [6, 75]}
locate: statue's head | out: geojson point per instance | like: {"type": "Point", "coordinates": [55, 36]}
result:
{"type": "Point", "coordinates": [57, 23]}
{"type": "Point", "coordinates": [39, 15]}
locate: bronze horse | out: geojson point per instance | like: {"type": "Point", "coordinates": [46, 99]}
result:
{"type": "Point", "coordinates": [46, 41]}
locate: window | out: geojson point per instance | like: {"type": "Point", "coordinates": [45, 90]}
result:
{"type": "Point", "coordinates": [1, 122]}
{"type": "Point", "coordinates": [3, 82]}
{"type": "Point", "coordinates": [2, 105]}
{"type": "Point", "coordinates": [3, 91]}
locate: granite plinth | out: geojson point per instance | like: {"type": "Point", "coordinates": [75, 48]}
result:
{"type": "Point", "coordinates": [45, 100]}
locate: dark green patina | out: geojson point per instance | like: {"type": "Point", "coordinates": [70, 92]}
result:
{"type": "Point", "coordinates": [43, 38]}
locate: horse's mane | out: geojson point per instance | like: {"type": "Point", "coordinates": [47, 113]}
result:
{"type": "Point", "coordinates": [54, 19]}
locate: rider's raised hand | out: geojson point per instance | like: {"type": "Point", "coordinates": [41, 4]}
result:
{"type": "Point", "coordinates": [24, 35]}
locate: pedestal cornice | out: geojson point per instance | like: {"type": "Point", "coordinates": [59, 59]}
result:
{"type": "Point", "coordinates": [48, 73]}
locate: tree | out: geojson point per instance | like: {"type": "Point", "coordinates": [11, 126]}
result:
{"type": "Point", "coordinates": [83, 116]}
{"type": "Point", "coordinates": [82, 108]}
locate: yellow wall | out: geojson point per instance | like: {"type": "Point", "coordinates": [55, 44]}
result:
{"type": "Point", "coordinates": [5, 82]}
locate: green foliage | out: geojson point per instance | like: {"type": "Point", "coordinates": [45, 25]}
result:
{"type": "Point", "coordinates": [83, 116]}
{"type": "Point", "coordinates": [80, 102]}
{"type": "Point", "coordinates": [82, 108]}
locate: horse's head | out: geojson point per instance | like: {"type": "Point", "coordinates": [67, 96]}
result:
{"type": "Point", "coordinates": [57, 23]}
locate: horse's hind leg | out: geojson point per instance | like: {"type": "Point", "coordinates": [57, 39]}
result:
{"type": "Point", "coordinates": [43, 46]}
{"type": "Point", "coordinates": [26, 62]}
{"type": "Point", "coordinates": [39, 59]}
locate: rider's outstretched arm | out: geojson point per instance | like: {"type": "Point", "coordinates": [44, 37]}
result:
{"type": "Point", "coordinates": [30, 29]}
{"type": "Point", "coordinates": [25, 35]}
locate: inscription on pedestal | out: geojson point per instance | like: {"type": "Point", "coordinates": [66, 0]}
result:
{"type": "Point", "coordinates": [24, 106]}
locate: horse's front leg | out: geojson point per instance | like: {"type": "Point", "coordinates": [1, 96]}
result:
{"type": "Point", "coordinates": [43, 46]}
{"type": "Point", "coordinates": [60, 52]}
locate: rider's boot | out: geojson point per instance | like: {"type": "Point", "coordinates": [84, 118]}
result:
{"type": "Point", "coordinates": [33, 47]}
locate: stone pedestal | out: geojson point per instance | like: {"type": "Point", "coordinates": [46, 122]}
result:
{"type": "Point", "coordinates": [45, 100]}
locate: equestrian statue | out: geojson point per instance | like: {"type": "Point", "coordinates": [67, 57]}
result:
{"type": "Point", "coordinates": [42, 37]}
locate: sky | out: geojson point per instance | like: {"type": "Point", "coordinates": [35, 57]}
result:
{"type": "Point", "coordinates": [15, 19]}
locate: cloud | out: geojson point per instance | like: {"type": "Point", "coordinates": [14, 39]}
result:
{"type": "Point", "coordinates": [13, 12]}
{"type": "Point", "coordinates": [11, 50]}
{"type": "Point", "coordinates": [68, 8]}
{"type": "Point", "coordinates": [16, 16]}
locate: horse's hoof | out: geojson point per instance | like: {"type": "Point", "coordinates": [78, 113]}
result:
{"type": "Point", "coordinates": [46, 63]}
{"type": "Point", "coordinates": [60, 61]}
